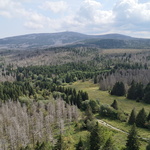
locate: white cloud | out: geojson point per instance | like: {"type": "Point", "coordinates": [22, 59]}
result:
{"type": "Point", "coordinates": [88, 10]}
{"type": "Point", "coordinates": [13, 9]}
{"type": "Point", "coordinates": [55, 7]}
{"type": "Point", "coordinates": [126, 16]}
{"type": "Point", "coordinates": [32, 25]}
{"type": "Point", "coordinates": [92, 17]}
{"type": "Point", "coordinates": [5, 14]}
{"type": "Point", "coordinates": [8, 7]}
{"type": "Point", "coordinates": [130, 11]}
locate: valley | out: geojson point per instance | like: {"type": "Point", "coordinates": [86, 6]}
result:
{"type": "Point", "coordinates": [55, 89]}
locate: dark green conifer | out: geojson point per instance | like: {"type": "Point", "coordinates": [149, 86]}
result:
{"type": "Point", "coordinates": [146, 98]}
{"type": "Point", "coordinates": [132, 117]}
{"type": "Point", "coordinates": [132, 139]}
{"type": "Point", "coordinates": [114, 105]}
{"type": "Point", "coordinates": [96, 138]}
{"type": "Point", "coordinates": [89, 114]}
{"type": "Point", "coordinates": [132, 91]}
{"type": "Point", "coordinates": [80, 146]}
{"type": "Point", "coordinates": [148, 146]}
{"type": "Point", "coordinates": [95, 79]}
{"type": "Point", "coordinates": [118, 89]}
{"type": "Point", "coordinates": [59, 143]}
{"type": "Point", "coordinates": [79, 100]}
{"type": "Point", "coordinates": [148, 117]}
{"type": "Point", "coordinates": [141, 118]}
{"type": "Point", "coordinates": [109, 145]}
{"type": "Point", "coordinates": [139, 91]}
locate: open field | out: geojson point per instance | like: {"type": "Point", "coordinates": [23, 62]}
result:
{"type": "Point", "coordinates": [123, 103]}
{"type": "Point", "coordinates": [105, 98]}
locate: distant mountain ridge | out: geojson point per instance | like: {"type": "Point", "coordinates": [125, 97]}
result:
{"type": "Point", "coordinates": [45, 40]}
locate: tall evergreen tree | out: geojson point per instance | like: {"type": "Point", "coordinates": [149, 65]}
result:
{"type": "Point", "coordinates": [80, 146]}
{"type": "Point", "coordinates": [109, 145]}
{"type": "Point", "coordinates": [141, 118]}
{"type": "Point", "coordinates": [139, 91]}
{"type": "Point", "coordinates": [132, 139]}
{"type": "Point", "coordinates": [96, 138]}
{"type": "Point", "coordinates": [131, 92]}
{"type": "Point", "coordinates": [115, 105]}
{"type": "Point", "coordinates": [43, 146]}
{"type": "Point", "coordinates": [79, 100]}
{"type": "Point", "coordinates": [132, 117]}
{"type": "Point", "coordinates": [89, 114]}
{"type": "Point", "coordinates": [118, 89]}
{"type": "Point", "coordinates": [59, 143]}
{"type": "Point", "coordinates": [146, 97]}
{"type": "Point", "coordinates": [95, 79]}
{"type": "Point", "coordinates": [86, 97]}
{"type": "Point", "coordinates": [148, 117]}
{"type": "Point", "coordinates": [148, 146]}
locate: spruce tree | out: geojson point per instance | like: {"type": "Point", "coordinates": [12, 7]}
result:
{"type": "Point", "coordinates": [86, 97]}
{"type": "Point", "coordinates": [141, 118]}
{"type": "Point", "coordinates": [79, 146]}
{"type": "Point", "coordinates": [109, 145]}
{"type": "Point", "coordinates": [132, 139]}
{"type": "Point", "coordinates": [118, 89]}
{"type": "Point", "coordinates": [132, 117]}
{"type": "Point", "coordinates": [139, 91]}
{"type": "Point", "coordinates": [59, 143]}
{"type": "Point", "coordinates": [148, 117]}
{"type": "Point", "coordinates": [115, 105]}
{"type": "Point", "coordinates": [96, 138]}
{"type": "Point", "coordinates": [79, 100]}
{"type": "Point", "coordinates": [95, 80]}
{"type": "Point", "coordinates": [122, 90]}
{"type": "Point", "coordinates": [132, 91]}
{"type": "Point", "coordinates": [89, 114]}
{"type": "Point", "coordinates": [148, 146]}
{"type": "Point", "coordinates": [146, 97]}
{"type": "Point", "coordinates": [115, 89]}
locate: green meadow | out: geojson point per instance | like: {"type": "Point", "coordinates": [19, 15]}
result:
{"type": "Point", "coordinates": [125, 104]}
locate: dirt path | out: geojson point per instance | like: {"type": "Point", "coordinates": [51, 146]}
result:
{"type": "Point", "coordinates": [110, 126]}
{"type": "Point", "coordinates": [117, 129]}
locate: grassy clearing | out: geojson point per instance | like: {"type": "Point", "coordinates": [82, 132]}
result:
{"type": "Point", "coordinates": [105, 98]}
{"type": "Point", "coordinates": [71, 138]}
{"type": "Point", "coordinates": [123, 103]}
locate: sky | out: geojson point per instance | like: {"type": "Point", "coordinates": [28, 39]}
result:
{"type": "Point", "coordinates": [96, 17]}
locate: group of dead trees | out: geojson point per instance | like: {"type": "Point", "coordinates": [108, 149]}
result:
{"type": "Point", "coordinates": [21, 124]}
{"type": "Point", "coordinates": [108, 80]}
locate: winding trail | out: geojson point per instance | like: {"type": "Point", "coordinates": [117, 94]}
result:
{"type": "Point", "coordinates": [117, 129]}
{"type": "Point", "coordinates": [110, 126]}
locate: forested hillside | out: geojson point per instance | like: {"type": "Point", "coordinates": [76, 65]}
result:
{"type": "Point", "coordinates": [83, 98]}
{"type": "Point", "coordinates": [72, 39]}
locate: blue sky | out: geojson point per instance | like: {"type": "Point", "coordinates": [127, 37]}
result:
{"type": "Point", "coordinates": [129, 17]}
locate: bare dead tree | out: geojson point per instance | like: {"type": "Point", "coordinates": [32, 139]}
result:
{"type": "Point", "coordinates": [21, 125]}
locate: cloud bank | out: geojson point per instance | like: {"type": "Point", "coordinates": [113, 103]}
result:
{"type": "Point", "coordinates": [126, 16]}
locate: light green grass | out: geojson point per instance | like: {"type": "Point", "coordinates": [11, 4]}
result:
{"type": "Point", "coordinates": [71, 137]}
{"type": "Point", "coordinates": [105, 98]}
{"type": "Point", "coordinates": [126, 105]}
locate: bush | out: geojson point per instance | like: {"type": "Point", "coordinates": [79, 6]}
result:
{"type": "Point", "coordinates": [95, 106]}
{"type": "Point", "coordinates": [109, 112]}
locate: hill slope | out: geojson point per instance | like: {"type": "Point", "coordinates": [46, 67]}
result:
{"type": "Point", "coordinates": [111, 43]}
{"type": "Point", "coordinates": [41, 40]}
{"type": "Point", "coordinates": [45, 40]}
